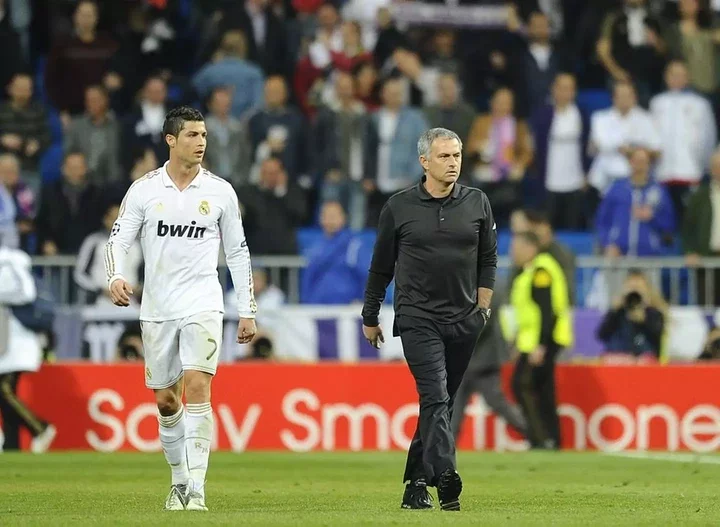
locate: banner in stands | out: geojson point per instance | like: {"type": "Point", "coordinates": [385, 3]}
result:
{"type": "Point", "coordinates": [316, 333]}
{"type": "Point", "coordinates": [260, 406]}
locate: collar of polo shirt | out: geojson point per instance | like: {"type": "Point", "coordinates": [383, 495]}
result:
{"type": "Point", "coordinates": [169, 182]}
{"type": "Point", "coordinates": [425, 195]}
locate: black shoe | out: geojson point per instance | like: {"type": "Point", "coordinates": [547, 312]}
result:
{"type": "Point", "coordinates": [449, 487]}
{"type": "Point", "coordinates": [417, 496]}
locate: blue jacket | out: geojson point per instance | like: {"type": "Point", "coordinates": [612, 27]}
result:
{"type": "Point", "coordinates": [333, 274]}
{"type": "Point", "coordinates": [244, 77]}
{"type": "Point", "coordinates": [615, 224]}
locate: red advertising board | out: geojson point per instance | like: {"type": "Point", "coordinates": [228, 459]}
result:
{"type": "Point", "coordinates": [374, 407]}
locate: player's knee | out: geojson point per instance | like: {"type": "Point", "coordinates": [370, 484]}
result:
{"type": "Point", "coordinates": [168, 402]}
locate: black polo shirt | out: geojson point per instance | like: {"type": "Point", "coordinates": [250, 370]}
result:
{"type": "Point", "coordinates": [440, 251]}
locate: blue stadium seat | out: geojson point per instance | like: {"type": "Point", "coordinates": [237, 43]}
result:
{"type": "Point", "coordinates": [50, 163]}
{"type": "Point", "coordinates": [590, 101]}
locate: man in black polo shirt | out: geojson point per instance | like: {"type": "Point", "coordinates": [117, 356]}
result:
{"type": "Point", "coordinates": [438, 239]}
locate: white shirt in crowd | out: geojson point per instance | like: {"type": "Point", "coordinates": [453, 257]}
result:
{"type": "Point", "coordinates": [90, 265]}
{"type": "Point", "coordinates": [564, 161]}
{"type": "Point", "coordinates": [180, 235]}
{"type": "Point", "coordinates": [365, 12]}
{"type": "Point", "coordinates": [686, 126]}
{"type": "Point", "coordinates": [387, 125]}
{"type": "Point", "coordinates": [19, 347]}
{"type": "Point", "coordinates": [610, 130]}
{"type": "Point", "coordinates": [541, 54]}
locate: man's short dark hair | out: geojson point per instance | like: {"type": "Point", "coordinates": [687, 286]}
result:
{"type": "Point", "coordinates": [529, 237]}
{"type": "Point", "coordinates": [177, 117]}
{"type": "Point", "coordinates": [536, 217]}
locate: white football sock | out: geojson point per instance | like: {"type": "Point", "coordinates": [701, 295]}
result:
{"type": "Point", "coordinates": [198, 438]}
{"type": "Point", "coordinates": [172, 439]}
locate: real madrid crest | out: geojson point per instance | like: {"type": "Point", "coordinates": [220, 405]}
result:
{"type": "Point", "coordinates": [204, 208]}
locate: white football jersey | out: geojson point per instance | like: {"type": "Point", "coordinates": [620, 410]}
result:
{"type": "Point", "coordinates": [180, 235]}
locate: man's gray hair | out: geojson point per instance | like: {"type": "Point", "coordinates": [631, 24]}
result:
{"type": "Point", "coordinates": [426, 140]}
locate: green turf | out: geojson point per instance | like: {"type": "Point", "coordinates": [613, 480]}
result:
{"type": "Point", "coordinates": [359, 489]}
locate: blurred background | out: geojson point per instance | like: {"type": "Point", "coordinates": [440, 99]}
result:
{"type": "Point", "coordinates": [591, 122]}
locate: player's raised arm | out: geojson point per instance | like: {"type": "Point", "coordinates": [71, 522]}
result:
{"type": "Point", "coordinates": [237, 256]}
{"type": "Point", "coordinates": [122, 236]}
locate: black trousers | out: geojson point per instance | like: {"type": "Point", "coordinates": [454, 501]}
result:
{"type": "Point", "coordinates": [534, 388]}
{"type": "Point", "coordinates": [489, 385]}
{"type": "Point", "coordinates": [565, 209]}
{"type": "Point", "coordinates": [15, 413]}
{"type": "Point", "coordinates": [437, 355]}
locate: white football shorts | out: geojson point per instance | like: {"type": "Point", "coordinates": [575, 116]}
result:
{"type": "Point", "coordinates": [173, 346]}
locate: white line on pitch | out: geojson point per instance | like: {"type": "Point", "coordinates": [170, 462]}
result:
{"type": "Point", "coordinates": [675, 457]}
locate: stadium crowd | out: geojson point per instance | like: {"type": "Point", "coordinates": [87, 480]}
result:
{"type": "Point", "coordinates": [600, 113]}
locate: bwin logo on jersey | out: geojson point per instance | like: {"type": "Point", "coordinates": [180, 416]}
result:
{"type": "Point", "coordinates": [181, 231]}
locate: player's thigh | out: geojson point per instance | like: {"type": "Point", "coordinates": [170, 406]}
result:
{"type": "Point", "coordinates": [201, 341]}
{"type": "Point", "coordinates": [161, 346]}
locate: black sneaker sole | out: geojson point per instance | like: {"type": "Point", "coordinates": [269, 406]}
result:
{"type": "Point", "coordinates": [450, 487]}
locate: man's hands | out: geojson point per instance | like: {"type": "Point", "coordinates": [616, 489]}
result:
{"type": "Point", "coordinates": [246, 330]}
{"type": "Point", "coordinates": [537, 357]}
{"type": "Point", "coordinates": [374, 335]}
{"type": "Point", "coordinates": [120, 292]}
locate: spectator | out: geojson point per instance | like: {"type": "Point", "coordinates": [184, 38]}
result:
{"type": "Point", "coordinates": [23, 199]}
{"type": "Point", "coordinates": [332, 274]}
{"type": "Point", "coordinates": [443, 54]}
{"type": "Point", "coordinates": [701, 235]}
{"type": "Point", "coordinates": [228, 150]}
{"type": "Point", "coordinates": [634, 326]}
{"type": "Point", "coordinates": [69, 209]}
{"type": "Point", "coordinates": [348, 55]}
{"type": "Point", "coordinates": [366, 85]}
{"type": "Point", "coordinates": [631, 47]}
{"type": "Point", "coordinates": [149, 46]}
{"type": "Point", "coordinates": [143, 128]}
{"type": "Point", "coordinates": [686, 126]}
{"type": "Point", "coordinates": [451, 111]}
{"type": "Point", "coordinates": [231, 69]}
{"type": "Point", "coordinates": [279, 130]}
{"type": "Point", "coordinates": [697, 45]}
{"type": "Point", "coordinates": [340, 132]}
{"type": "Point", "coordinates": [539, 224]}
{"type": "Point", "coordinates": [561, 134]}
{"type": "Point", "coordinates": [615, 132]}
{"type": "Point", "coordinates": [90, 271]}
{"type": "Point", "coordinates": [389, 37]}
{"type": "Point", "coordinates": [78, 61]}
{"type": "Point", "coordinates": [11, 62]}
{"type": "Point", "coordinates": [24, 128]}
{"type": "Point", "coordinates": [541, 61]}
{"type": "Point", "coordinates": [499, 151]}
{"type": "Point", "coordinates": [391, 158]}
{"type": "Point", "coordinates": [365, 12]}
{"type": "Point", "coordinates": [273, 210]}
{"type": "Point", "coordinates": [266, 34]}
{"type": "Point", "coordinates": [711, 349]}
{"type": "Point", "coordinates": [636, 217]}
{"type": "Point", "coordinates": [97, 135]}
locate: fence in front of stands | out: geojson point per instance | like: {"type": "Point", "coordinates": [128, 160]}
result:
{"type": "Point", "coordinates": [598, 279]}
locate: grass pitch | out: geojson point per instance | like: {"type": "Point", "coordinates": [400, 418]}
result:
{"type": "Point", "coordinates": [277, 489]}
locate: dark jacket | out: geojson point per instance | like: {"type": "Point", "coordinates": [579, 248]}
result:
{"type": "Point", "coordinates": [271, 222]}
{"type": "Point", "coordinates": [621, 335]}
{"type": "Point", "coordinates": [295, 154]}
{"type": "Point", "coordinates": [67, 226]}
{"type": "Point", "coordinates": [29, 123]}
{"type": "Point", "coordinates": [697, 226]}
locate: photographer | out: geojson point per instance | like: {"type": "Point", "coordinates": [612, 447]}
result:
{"type": "Point", "coordinates": [633, 328]}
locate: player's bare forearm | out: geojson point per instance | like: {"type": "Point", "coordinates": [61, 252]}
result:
{"type": "Point", "coordinates": [484, 297]}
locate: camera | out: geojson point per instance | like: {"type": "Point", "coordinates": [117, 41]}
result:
{"type": "Point", "coordinates": [633, 300]}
